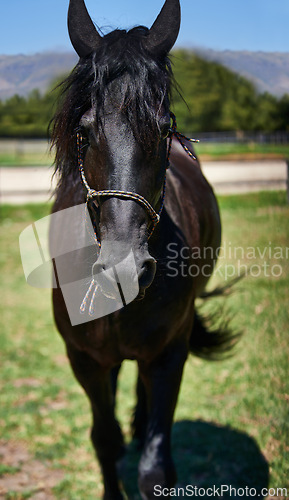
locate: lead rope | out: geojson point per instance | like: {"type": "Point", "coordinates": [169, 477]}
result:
{"type": "Point", "coordinates": [92, 194]}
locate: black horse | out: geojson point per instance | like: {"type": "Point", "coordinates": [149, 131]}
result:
{"type": "Point", "coordinates": [115, 138]}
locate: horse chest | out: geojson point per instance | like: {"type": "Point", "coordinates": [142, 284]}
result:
{"type": "Point", "coordinates": [136, 332]}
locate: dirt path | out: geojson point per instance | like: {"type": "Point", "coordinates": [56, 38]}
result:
{"type": "Point", "coordinates": [33, 184]}
{"type": "Point", "coordinates": [22, 474]}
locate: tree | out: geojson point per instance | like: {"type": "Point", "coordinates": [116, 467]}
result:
{"type": "Point", "coordinates": [215, 98]}
{"type": "Point", "coordinates": [208, 97]}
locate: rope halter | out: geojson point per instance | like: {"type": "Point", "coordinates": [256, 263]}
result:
{"type": "Point", "coordinates": [94, 195]}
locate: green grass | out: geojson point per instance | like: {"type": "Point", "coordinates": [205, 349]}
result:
{"type": "Point", "coordinates": [232, 416]}
{"type": "Point", "coordinates": [27, 159]}
{"type": "Point", "coordinates": [21, 152]}
{"type": "Point", "coordinates": [206, 150]}
{"type": "Point", "coordinates": [252, 150]}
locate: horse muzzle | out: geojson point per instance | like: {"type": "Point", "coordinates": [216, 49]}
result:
{"type": "Point", "coordinates": [122, 273]}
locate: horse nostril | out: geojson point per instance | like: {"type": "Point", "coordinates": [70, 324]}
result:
{"type": "Point", "coordinates": [147, 273]}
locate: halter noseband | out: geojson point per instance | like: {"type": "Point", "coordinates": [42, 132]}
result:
{"type": "Point", "coordinates": [92, 194]}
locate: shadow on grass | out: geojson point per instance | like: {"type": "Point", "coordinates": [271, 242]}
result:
{"type": "Point", "coordinates": [207, 455]}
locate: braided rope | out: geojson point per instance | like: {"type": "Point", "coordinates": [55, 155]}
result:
{"type": "Point", "coordinates": [92, 194]}
{"type": "Point", "coordinates": [180, 136]}
{"type": "Point", "coordinates": [126, 195]}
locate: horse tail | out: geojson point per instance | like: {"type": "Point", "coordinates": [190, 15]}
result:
{"type": "Point", "coordinates": [212, 342]}
{"type": "Point", "coordinates": [226, 289]}
{"type": "Point", "coordinates": [212, 336]}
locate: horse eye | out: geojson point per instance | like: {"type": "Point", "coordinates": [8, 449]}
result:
{"type": "Point", "coordinates": [165, 130]}
{"type": "Point", "coordinates": [89, 138]}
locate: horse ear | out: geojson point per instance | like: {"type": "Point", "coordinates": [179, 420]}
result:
{"type": "Point", "coordinates": [164, 32]}
{"type": "Point", "coordinates": [83, 34]}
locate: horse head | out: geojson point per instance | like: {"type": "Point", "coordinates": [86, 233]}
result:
{"type": "Point", "coordinates": [124, 129]}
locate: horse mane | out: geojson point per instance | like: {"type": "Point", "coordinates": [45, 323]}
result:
{"type": "Point", "coordinates": [146, 88]}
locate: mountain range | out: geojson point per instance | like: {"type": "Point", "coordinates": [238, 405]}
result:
{"type": "Point", "coordinates": [20, 74]}
{"type": "Point", "coordinates": [269, 71]}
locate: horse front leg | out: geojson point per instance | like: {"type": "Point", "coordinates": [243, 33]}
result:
{"type": "Point", "coordinates": [105, 434]}
{"type": "Point", "coordinates": [139, 423]}
{"type": "Point", "coordinates": [161, 380]}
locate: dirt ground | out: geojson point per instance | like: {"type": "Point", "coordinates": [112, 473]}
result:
{"type": "Point", "coordinates": [33, 184]}
{"type": "Point", "coordinates": [23, 475]}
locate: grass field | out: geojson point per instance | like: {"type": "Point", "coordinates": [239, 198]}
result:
{"type": "Point", "coordinates": [17, 152]}
{"type": "Point", "coordinates": [250, 150]}
{"type": "Point", "coordinates": [232, 416]}
{"type": "Point", "coordinates": [30, 153]}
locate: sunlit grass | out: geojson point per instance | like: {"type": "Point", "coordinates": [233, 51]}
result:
{"type": "Point", "coordinates": [250, 150]}
{"type": "Point", "coordinates": [230, 414]}
{"type": "Point", "coordinates": [26, 160]}
{"type": "Point", "coordinates": [23, 154]}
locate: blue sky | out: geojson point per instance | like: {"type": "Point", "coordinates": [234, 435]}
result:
{"type": "Point", "coordinates": [29, 26]}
